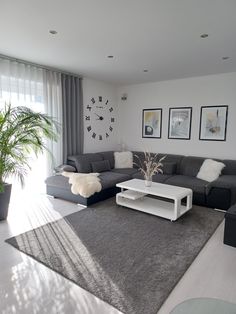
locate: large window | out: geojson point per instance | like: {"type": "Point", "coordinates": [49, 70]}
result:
{"type": "Point", "coordinates": [25, 85]}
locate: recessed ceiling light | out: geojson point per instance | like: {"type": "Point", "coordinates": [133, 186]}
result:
{"type": "Point", "coordinates": [225, 58]}
{"type": "Point", "coordinates": [204, 35]}
{"type": "Point", "coordinates": [110, 56]}
{"type": "Point", "coordinates": [53, 32]}
{"type": "Point", "coordinates": [145, 70]}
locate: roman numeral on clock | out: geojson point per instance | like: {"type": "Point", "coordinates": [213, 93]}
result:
{"type": "Point", "coordinates": [100, 98]}
{"type": "Point", "coordinates": [111, 128]}
{"type": "Point", "coordinates": [94, 135]}
{"type": "Point", "coordinates": [107, 135]}
{"type": "Point", "coordinates": [87, 118]}
{"type": "Point", "coordinates": [89, 128]}
{"type": "Point", "coordinates": [111, 109]}
{"type": "Point", "coordinates": [93, 100]}
{"type": "Point", "coordinates": [100, 137]}
{"type": "Point", "coordinates": [112, 119]}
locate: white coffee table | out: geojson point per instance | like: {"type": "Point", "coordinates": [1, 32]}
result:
{"type": "Point", "coordinates": [134, 194]}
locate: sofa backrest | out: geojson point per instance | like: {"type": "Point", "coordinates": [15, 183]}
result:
{"type": "Point", "coordinates": [173, 161]}
{"type": "Point", "coordinates": [82, 162]}
{"type": "Point", "coordinates": [230, 167]}
{"type": "Point", "coordinates": [171, 158]}
{"type": "Point", "coordinates": [138, 159]}
{"type": "Point", "coordinates": [190, 165]}
{"type": "Point", "coordinates": [109, 155]}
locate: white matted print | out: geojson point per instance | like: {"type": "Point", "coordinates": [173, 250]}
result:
{"type": "Point", "coordinates": [213, 123]}
{"type": "Point", "coordinates": [151, 127]}
{"type": "Point", "coordinates": [180, 123]}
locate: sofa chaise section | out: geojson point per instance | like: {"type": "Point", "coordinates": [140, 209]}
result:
{"type": "Point", "coordinates": [59, 187]}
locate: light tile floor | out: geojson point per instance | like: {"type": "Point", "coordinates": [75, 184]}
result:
{"type": "Point", "coordinates": [28, 287]}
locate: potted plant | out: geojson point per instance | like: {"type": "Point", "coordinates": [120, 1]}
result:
{"type": "Point", "coordinates": [150, 166]}
{"type": "Point", "coordinates": [22, 131]}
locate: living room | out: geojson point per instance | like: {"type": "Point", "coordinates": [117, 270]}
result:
{"type": "Point", "coordinates": [108, 68]}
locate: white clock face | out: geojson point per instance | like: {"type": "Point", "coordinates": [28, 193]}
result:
{"type": "Point", "coordinates": [99, 118]}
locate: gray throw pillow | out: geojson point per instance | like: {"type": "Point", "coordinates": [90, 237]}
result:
{"type": "Point", "coordinates": [66, 168]}
{"type": "Point", "coordinates": [169, 167]}
{"type": "Point", "coordinates": [100, 166]}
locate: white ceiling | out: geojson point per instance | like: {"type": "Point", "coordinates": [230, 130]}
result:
{"type": "Point", "coordinates": [162, 36]}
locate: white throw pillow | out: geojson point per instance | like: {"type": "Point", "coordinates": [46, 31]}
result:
{"type": "Point", "coordinates": [123, 160]}
{"type": "Point", "coordinates": [210, 170]}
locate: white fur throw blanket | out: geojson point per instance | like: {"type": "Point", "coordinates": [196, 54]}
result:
{"type": "Point", "coordinates": [85, 184]}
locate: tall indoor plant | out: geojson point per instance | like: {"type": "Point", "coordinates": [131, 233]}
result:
{"type": "Point", "coordinates": [22, 131]}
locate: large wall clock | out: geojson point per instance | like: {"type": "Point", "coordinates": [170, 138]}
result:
{"type": "Point", "coordinates": [99, 118]}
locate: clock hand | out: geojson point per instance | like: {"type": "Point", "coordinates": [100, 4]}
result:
{"type": "Point", "coordinates": [100, 117]}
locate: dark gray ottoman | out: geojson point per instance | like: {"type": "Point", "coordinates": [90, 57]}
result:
{"type": "Point", "coordinates": [230, 227]}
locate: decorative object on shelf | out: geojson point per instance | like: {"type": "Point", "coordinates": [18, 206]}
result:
{"type": "Point", "coordinates": [151, 124]}
{"type": "Point", "coordinates": [213, 123]}
{"type": "Point", "coordinates": [149, 166]}
{"type": "Point", "coordinates": [99, 118]}
{"type": "Point", "coordinates": [22, 131]}
{"type": "Point", "coordinates": [180, 123]}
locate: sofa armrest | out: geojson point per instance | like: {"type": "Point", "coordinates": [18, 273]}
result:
{"type": "Point", "coordinates": [67, 168]}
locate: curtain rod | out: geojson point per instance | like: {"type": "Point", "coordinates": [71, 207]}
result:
{"type": "Point", "coordinates": [38, 65]}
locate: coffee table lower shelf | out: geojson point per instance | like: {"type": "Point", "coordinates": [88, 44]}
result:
{"type": "Point", "coordinates": [144, 203]}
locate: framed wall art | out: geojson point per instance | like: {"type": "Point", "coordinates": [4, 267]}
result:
{"type": "Point", "coordinates": [152, 120]}
{"type": "Point", "coordinates": [213, 123]}
{"type": "Point", "coordinates": [180, 123]}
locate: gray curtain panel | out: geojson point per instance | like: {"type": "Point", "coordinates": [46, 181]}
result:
{"type": "Point", "coordinates": [72, 115]}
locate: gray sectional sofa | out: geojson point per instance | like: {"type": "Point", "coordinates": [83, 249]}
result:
{"type": "Point", "coordinates": [178, 170]}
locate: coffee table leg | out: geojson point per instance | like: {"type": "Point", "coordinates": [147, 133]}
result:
{"type": "Point", "coordinates": [189, 201]}
{"type": "Point", "coordinates": [177, 203]}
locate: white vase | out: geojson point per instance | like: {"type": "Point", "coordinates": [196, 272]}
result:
{"type": "Point", "coordinates": [148, 182]}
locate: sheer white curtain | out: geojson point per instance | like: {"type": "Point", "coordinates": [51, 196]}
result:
{"type": "Point", "coordinates": [23, 84]}
{"type": "Point", "coordinates": [52, 98]}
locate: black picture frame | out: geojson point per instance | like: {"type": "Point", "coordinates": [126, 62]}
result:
{"type": "Point", "coordinates": [152, 123]}
{"type": "Point", "coordinates": [189, 126]}
{"type": "Point", "coordinates": [216, 132]}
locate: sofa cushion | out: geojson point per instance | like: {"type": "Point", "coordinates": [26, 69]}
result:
{"type": "Point", "coordinates": [58, 181]}
{"type": "Point", "coordinates": [138, 159]}
{"type": "Point", "coordinates": [190, 166]}
{"type": "Point", "coordinates": [230, 167]}
{"type": "Point", "coordinates": [171, 158]}
{"type": "Point", "coordinates": [210, 170]}
{"type": "Point", "coordinates": [195, 184]}
{"type": "Point", "coordinates": [83, 162]}
{"type": "Point", "coordinates": [129, 171]}
{"type": "Point", "coordinates": [109, 155]}
{"type": "Point", "coordinates": [123, 160]}
{"type": "Point", "coordinates": [110, 178]}
{"type": "Point", "coordinates": [100, 166]}
{"type": "Point", "coordinates": [224, 182]}
{"type": "Point", "coordinates": [159, 178]}
{"type": "Point", "coordinates": [169, 167]}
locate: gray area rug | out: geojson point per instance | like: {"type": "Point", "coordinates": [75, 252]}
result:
{"type": "Point", "coordinates": [129, 259]}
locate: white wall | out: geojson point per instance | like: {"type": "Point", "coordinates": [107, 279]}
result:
{"type": "Point", "coordinates": [194, 92]}
{"type": "Point", "coordinates": [95, 88]}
